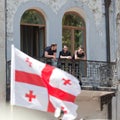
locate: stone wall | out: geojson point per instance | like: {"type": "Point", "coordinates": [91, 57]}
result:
{"type": "Point", "coordinates": [94, 5]}
{"type": "Point", "coordinates": [2, 51]}
{"type": "Point", "coordinates": [116, 101]}
{"type": "Point", "coordinates": [117, 6]}
{"type": "Point", "coordinates": [95, 23]}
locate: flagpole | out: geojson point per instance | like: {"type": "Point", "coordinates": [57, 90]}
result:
{"type": "Point", "coordinates": [12, 78]}
{"type": "Point", "coordinates": [12, 74]}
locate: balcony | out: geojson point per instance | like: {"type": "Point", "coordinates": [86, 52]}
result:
{"type": "Point", "coordinates": [93, 75]}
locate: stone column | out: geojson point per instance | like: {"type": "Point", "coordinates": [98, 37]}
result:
{"type": "Point", "coordinates": [118, 68]}
{"type": "Point", "coordinates": [2, 51]}
{"type": "Point", "coordinates": [118, 47]}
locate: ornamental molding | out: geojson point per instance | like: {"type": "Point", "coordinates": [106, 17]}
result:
{"type": "Point", "coordinates": [56, 4]}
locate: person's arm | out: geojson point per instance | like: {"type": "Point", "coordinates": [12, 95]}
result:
{"type": "Point", "coordinates": [76, 57]}
{"type": "Point", "coordinates": [54, 55]}
{"type": "Point", "coordinates": [61, 56]}
{"type": "Point", "coordinates": [69, 56]}
{"type": "Point", "coordinates": [49, 56]}
{"type": "Point", "coordinates": [84, 58]}
{"type": "Point", "coordinates": [65, 57]}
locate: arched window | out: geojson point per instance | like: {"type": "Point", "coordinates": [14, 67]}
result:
{"type": "Point", "coordinates": [74, 32]}
{"type": "Point", "coordinates": [32, 33]}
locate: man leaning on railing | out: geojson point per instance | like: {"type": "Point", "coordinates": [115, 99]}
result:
{"type": "Point", "coordinates": [79, 54]}
{"type": "Point", "coordinates": [50, 52]}
{"type": "Point", "coordinates": [63, 56]}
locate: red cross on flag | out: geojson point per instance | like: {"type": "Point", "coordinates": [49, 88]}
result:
{"type": "Point", "coordinates": [37, 85]}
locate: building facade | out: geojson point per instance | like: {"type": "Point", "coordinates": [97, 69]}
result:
{"type": "Point", "coordinates": [53, 12]}
{"type": "Point", "coordinates": [99, 34]}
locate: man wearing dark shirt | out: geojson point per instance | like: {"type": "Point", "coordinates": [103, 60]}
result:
{"type": "Point", "coordinates": [65, 54]}
{"type": "Point", "coordinates": [50, 51]}
{"type": "Point", "coordinates": [79, 54]}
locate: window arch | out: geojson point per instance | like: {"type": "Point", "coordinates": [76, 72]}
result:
{"type": "Point", "coordinates": [74, 31]}
{"type": "Point", "coordinates": [32, 29]}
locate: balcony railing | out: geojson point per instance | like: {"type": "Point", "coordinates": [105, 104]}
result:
{"type": "Point", "coordinates": [91, 74]}
{"type": "Point", "coordinates": [95, 74]}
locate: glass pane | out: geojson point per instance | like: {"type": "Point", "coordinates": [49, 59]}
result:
{"type": "Point", "coordinates": [72, 19]}
{"type": "Point", "coordinates": [79, 38]}
{"type": "Point", "coordinates": [32, 17]}
{"type": "Point", "coordinates": [66, 38]}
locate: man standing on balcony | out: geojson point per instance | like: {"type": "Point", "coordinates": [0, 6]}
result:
{"type": "Point", "coordinates": [50, 52]}
{"type": "Point", "coordinates": [80, 66]}
{"type": "Point", "coordinates": [79, 54]}
{"type": "Point", "coordinates": [65, 54]}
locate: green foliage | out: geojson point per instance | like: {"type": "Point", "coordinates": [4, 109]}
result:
{"type": "Point", "coordinates": [79, 38]}
{"type": "Point", "coordinates": [73, 20]}
{"type": "Point", "coordinates": [32, 17]}
{"type": "Point", "coordinates": [66, 38]}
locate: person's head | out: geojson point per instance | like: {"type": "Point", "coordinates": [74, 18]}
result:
{"type": "Point", "coordinates": [65, 48]}
{"type": "Point", "coordinates": [80, 50]}
{"type": "Point", "coordinates": [53, 46]}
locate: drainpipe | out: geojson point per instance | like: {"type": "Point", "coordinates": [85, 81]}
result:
{"type": "Point", "coordinates": [107, 5]}
{"type": "Point", "coordinates": [108, 57]}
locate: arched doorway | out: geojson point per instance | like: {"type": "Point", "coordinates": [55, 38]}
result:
{"type": "Point", "coordinates": [32, 33]}
{"type": "Point", "coordinates": [74, 31]}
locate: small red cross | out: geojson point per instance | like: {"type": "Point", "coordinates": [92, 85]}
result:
{"type": "Point", "coordinates": [30, 96]}
{"type": "Point", "coordinates": [63, 109]}
{"type": "Point", "coordinates": [28, 61]}
{"type": "Point", "coordinates": [66, 81]}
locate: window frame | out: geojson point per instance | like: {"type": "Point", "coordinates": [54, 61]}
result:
{"type": "Point", "coordinates": [73, 28]}
{"type": "Point", "coordinates": [35, 25]}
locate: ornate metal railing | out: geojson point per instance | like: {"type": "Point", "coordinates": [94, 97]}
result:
{"type": "Point", "coordinates": [92, 74]}
{"type": "Point", "coordinates": [95, 74]}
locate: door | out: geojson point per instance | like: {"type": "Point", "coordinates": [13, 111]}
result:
{"type": "Point", "coordinates": [32, 40]}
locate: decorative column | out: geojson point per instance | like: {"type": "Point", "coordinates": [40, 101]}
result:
{"type": "Point", "coordinates": [118, 67]}
{"type": "Point", "coordinates": [118, 47]}
{"type": "Point", "coordinates": [2, 51]}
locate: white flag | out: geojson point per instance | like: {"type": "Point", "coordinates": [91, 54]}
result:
{"type": "Point", "coordinates": [43, 87]}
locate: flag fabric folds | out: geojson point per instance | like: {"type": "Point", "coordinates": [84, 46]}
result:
{"type": "Point", "coordinates": [39, 86]}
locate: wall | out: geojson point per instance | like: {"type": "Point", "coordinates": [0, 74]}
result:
{"type": "Point", "coordinates": [116, 100]}
{"type": "Point", "coordinates": [2, 51]}
{"type": "Point", "coordinates": [54, 11]}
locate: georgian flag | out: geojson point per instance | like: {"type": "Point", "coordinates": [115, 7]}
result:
{"type": "Point", "coordinates": [43, 87]}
